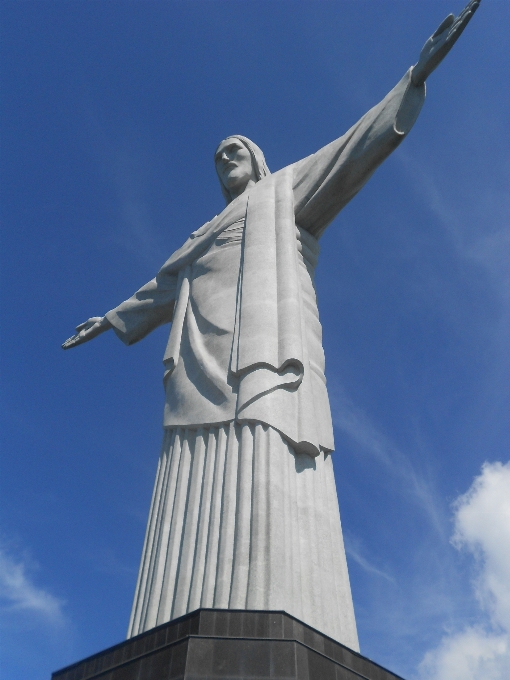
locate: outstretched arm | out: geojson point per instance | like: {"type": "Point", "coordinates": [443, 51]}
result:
{"type": "Point", "coordinates": [441, 42]}
{"type": "Point", "coordinates": [148, 308]}
{"type": "Point", "coordinates": [326, 181]}
{"type": "Point", "coordinates": [87, 331]}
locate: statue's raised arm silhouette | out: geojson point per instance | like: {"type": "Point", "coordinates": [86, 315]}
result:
{"type": "Point", "coordinates": [244, 513]}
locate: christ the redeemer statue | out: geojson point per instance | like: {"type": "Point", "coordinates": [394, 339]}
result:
{"type": "Point", "coordinates": [244, 513]}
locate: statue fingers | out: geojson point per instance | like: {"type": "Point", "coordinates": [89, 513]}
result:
{"type": "Point", "coordinates": [470, 8]}
{"type": "Point", "coordinates": [457, 29]}
{"type": "Point", "coordinates": [70, 342]}
{"type": "Point", "coordinates": [464, 18]}
{"type": "Point", "coordinates": [79, 338]}
{"type": "Point", "coordinates": [446, 23]}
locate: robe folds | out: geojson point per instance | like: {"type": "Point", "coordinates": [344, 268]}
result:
{"type": "Point", "coordinates": [244, 512]}
{"type": "Point", "coordinates": [239, 520]}
{"type": "Point", "coordinates": [245, 344]}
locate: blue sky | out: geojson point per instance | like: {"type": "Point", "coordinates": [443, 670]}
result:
{"type": "Point", "coordinates": [110, 117]}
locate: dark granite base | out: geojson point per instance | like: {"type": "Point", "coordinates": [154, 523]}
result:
{"type": "Point", "coordinates": [223, 644]}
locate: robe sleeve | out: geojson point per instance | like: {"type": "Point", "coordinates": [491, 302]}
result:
{"type": "Point", "coordinates": [326, 181]}
{"type": "Point", "coordinates": [150, 307]}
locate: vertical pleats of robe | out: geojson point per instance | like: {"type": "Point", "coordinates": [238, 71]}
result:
{"type": "Point", "coordinates": [238, 520]}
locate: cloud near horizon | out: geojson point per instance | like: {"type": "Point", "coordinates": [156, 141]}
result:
{"type": "Point", "coordinates": [481, 651]}
{"type": "Point", "coordinates": [19, 593]}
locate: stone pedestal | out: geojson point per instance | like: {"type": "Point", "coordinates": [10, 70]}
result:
{"type": "Point", "coordinates": [222, 644]}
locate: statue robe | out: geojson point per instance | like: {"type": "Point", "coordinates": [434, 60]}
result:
{"type": "Point", "coordinates": [244, 513]}
{"type": "Point", "coordinates": [245, 343]}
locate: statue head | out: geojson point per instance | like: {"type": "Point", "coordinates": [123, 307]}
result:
{"type": "Point", "coordinates": [240, 164]}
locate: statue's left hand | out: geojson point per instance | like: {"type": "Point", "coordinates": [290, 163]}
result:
{"type": "Point", "coordinates": [87, 331]}
{"type": "Point", "coordinates": [438, 45]}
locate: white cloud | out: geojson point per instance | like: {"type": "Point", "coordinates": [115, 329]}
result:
{"type": "Point", "coordinates": [482, 527]}
{"type": "Point", "coordinates": [19, 593]}
{"type": "Point", "coordinates": [473, 654]}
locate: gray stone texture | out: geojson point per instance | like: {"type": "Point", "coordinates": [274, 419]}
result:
{"type": "Point", "coordinates": [245, 354]}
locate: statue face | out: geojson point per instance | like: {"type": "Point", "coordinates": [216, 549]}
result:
{"type": "Point", "coordinates": [234, 166]}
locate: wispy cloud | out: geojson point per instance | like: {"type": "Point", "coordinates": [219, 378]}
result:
{"type": "Point", "coordinates": [477, 223]}
{"type": "Point", "coordinates": [353, 549]}
{"type": "Point", "coordinates": [139, 235]}
{"type": "Point", "coordinates": [128, 172]}
{"type": "Point", "coordinates": [107, 561]}
{"type": "Point", "coordinates": [355, 423]}
{"type": "Point", "coordinates": [19, 593]}
{"type": "Point", "coordinates": [482, 527]}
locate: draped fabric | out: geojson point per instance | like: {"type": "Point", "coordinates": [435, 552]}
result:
{"type": "Point", "coordinates": [239, 520]}
{"type": "Point", "coordinates": [275, 331]}
{"type": "Point", "coordinates": [244, 512]}
{"type": "Point", "coordinates": [269, 282]}
{"type": "Point", "coordinates": [246, 342]}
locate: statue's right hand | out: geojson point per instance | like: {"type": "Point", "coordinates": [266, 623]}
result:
{"type": "Point", "coordinates": [87, 331]}
{"type": "Point", "coordinates": [441, 42]}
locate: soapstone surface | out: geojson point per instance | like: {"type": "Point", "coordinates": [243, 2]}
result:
{"type": "Point", "coordinates": [244, 512]}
